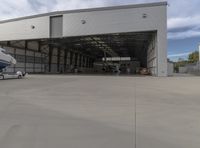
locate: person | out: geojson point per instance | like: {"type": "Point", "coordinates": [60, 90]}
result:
{"type": "Point", "coordinates": [128, 70]}
{"type": "Point", "coordinates": [75, 69]}
{"type": "Point", "coordinates": [117, 70]}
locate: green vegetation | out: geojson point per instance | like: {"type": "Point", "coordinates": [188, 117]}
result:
{"type": "Point", "coordinates": [180, 63]}
{"type": "Point", "coordinates": [192, 58]}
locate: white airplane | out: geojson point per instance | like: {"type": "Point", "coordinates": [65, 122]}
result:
{"type": "Point", "coordinates": [6, 59]}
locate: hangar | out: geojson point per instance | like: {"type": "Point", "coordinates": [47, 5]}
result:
{"type": "Point", "coordinates": [59, 42]}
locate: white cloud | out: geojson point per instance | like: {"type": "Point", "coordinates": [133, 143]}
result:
{"type": "Point", "coordinates": [181, 28]}
{"type": "Point", "coordinates": [77, 4]}
{"type": "Point", "coordinates": [179, 55]}
{"type": "Point", "coordinates": [11, 8]}
{"type": "Point", "coordinates": [18, 8]}
{"type": "Point", "coordinates": [184, 34]}
{"type": "Point", "coordinates": [183, 19]}
{"type": "Point", "coordinates": [182, 22]}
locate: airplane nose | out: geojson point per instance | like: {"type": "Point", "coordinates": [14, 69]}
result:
{"type": "Point", "coordinates": [13, 61]}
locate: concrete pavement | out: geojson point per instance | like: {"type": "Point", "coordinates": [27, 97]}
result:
{"type": "Point", "coordinates": [67, 111]}
{"type": "Point", "coordinates": [45, 111]}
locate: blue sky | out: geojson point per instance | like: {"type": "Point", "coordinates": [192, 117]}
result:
{"type": "Point", "coordinates": [183, 17]}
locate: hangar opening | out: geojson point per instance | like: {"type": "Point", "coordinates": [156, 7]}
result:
{"type": "Point", "coordinates": [109, 53]}
{"type": "Point", "coordinates": [124, 53]}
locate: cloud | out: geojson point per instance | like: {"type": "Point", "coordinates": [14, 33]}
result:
{"type": "Point", "coordinates": [183, 19]}
{"type": "Point", "coordinates": [181, 28]}
{"type": "Point", "coordinates": [181, 22]}
{"type": "Point", "coordinates": [77, 4]}
{"type": "Point", "coordinates": [179, 55]}
{"type": "Point", "coordinates": [183, 35]}
{"type": "Point", "coordinates": [18, 8]}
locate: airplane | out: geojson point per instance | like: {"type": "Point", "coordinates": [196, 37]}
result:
{"type": "Point", "coordinates": [6, 59]}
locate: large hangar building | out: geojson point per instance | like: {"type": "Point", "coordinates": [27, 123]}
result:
{"type": "Point", "coordinates": [59, 41]}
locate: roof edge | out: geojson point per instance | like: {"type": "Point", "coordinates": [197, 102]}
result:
{"type": "Point", "coordinates": [88, 10]}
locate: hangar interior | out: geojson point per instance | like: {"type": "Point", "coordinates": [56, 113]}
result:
{"type": "Point", "coordinates": [106, 53]}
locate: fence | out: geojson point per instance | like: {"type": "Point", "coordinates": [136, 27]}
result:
{"type": "Point", "coordinates": [191, 68]}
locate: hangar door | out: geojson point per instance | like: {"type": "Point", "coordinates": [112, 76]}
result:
{"type": "Point", "coordinates": [56, 26]}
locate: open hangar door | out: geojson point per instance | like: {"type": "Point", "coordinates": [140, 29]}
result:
{"type": "Point", "coordinates": [124, 53]}
{"type": "Point", "coordinates": [108, 53]}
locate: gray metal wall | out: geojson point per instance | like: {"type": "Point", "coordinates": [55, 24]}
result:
{"type": "Point", "coordinates": [151, 55]}
{"type": "Point", "coordinates": [170, 68]}
{"type": "Point", "coordinates": [36, 62]}
{"type": "Point", "coordinates": [114, 21]}
{"type": "Point", "coordinates": [32, 28]}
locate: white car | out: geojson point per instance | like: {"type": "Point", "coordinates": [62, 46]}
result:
{"type": "Point", "coordinates": [17, 75]}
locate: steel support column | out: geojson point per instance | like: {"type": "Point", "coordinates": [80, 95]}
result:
{"type": "Point", "coordinates": [58, 59]}
{"type": "Point", "coordinates": [25, 51]}
{"type": "Point", "coordinates": [50, 56]}
{"type": "Point", "coordinates": [65, 59]}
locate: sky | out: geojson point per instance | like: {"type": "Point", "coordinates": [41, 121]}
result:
{"type": "Point", "coordinates": [183, 18]}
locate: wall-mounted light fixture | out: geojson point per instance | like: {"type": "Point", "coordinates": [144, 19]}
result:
{"type": "Point", "coordinates": [83, 22]}
{"type": "Point", "coordinates": [144, 15]}
{"type": "Point", "coordinates": [32, 27]}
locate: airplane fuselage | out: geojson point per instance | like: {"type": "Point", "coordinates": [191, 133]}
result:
{"type": "Point", "coordinates": [5, 59]}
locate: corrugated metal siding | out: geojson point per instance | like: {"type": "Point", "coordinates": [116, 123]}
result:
{"type": "Point", "coordinates": [25, 29]}
{"type": "Point", "coordinates": [115, 21]}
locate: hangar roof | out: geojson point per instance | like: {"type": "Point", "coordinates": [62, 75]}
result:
{"type": "Point", "coordinates": [88, 10]}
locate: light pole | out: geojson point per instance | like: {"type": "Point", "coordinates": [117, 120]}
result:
{"type": "Point", "coordinates": [199, 52]}
{"type": "Point", "coordinates": [199, 59]}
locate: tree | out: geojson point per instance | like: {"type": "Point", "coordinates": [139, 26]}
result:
{"type": "Point", "coordinates": [180, 63]}
{"type": "Point", "coordinates": [193, 57]}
